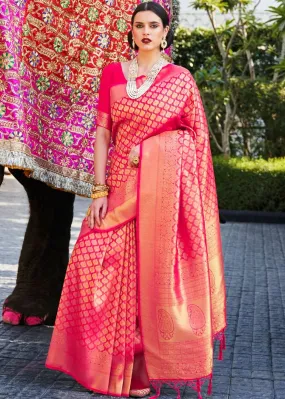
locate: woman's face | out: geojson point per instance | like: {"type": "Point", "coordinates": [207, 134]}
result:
{"type": "Point", "coordinates": [148, 30]}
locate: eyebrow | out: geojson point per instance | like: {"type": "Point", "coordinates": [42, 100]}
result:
{"type": "Point", "coordinates": [152, 22]}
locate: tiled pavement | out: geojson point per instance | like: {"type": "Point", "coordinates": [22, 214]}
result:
{"type": "Point", "coordinates": [254, 364]}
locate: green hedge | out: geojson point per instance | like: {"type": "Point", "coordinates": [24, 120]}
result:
{"type": "Point", "coordinates": [253, 185]}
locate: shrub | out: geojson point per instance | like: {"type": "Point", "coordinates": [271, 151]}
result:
{"type": "Point", "coordinates": [253, 185]}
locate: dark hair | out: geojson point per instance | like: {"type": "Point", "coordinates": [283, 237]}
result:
{"type": "Point", "coordinates": [160, 12]}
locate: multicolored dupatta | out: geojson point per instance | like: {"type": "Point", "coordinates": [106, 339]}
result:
{"type": "Point", "coordinates": [51, 58]}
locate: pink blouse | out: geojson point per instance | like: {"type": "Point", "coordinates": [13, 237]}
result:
{"type": "Point", "coordinates": [113, 89]}
{"type": "Point", "coordinates": [171, 103]}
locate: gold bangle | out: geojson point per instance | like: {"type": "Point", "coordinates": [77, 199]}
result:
{"type": "Point", "coordinates": [100, 194]}
{"type": "Point", "coordinates": [99, 187]}
{"type": "Point", "coordinates": [135, 161]}
{"type": "Point", "coordinates": [100, 184]}
{"type": "Point", "coordinates": [98, 190]}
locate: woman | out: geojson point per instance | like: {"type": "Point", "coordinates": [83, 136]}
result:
{"type": "Point", "coordinates": [144, 295]}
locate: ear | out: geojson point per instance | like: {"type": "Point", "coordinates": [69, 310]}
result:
{"type": "Point", "coordinates": [166, 30]}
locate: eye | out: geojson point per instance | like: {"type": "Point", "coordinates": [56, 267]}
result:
{"type": "Point", "coordinates": [139, 26]}
{"type": "Point", "coordinates": [154, 26]}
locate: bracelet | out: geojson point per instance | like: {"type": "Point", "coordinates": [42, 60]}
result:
{"type": "Point", "coordinates": [99, 188]}
{"type": "Point", "coordinates": [135, 161]}
{"type": "Point", "coordinates": [99, 194]}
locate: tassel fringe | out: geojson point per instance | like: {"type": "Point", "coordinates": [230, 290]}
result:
{"type": "Point", "coordinates": [195, 384]}
{"type": "Point", "coordinates": [210, 386]}
{"type": "Point", "coordinates": [222, 340]}
{"type": "Point", "coordinates": [199, 395]}
{"type": "Point", "coordinates": [157, 393]}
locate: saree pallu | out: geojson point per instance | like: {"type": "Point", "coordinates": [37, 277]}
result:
{"type": "Point", "coordinates": [181, 279]}
{"type": "Point", "coordinates": [151, 277]}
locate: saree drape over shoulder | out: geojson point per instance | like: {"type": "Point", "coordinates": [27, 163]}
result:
{"type": "Point", "coordinates": [149, 282]}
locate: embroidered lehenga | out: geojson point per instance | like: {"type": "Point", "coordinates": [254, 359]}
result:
{"type": "Point", "coordinates": [144, 297]}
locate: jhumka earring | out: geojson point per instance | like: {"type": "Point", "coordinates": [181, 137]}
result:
{"type": "Point", "coordinates": [163, 44]}
{"type": "Point", "coordinates": [134, 54]}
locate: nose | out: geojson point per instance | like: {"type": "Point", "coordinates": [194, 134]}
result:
{"type": "Point", "coordinates": [146, 31]}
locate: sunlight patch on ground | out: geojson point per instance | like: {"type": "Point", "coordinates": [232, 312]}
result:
{"type": "Point", "coordinates": [11, 204]}
{"type": "Point", "coordinates": [18, 221]}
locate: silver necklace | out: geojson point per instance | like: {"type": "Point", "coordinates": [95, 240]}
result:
{"type": "Point", "coordinates": [132, 90]}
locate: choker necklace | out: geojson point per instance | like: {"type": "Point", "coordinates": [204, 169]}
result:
{"type": "Point", "coordinates": [132, 90]}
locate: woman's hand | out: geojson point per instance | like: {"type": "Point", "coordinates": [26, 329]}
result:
{"type": "Point", "coordinates": [134, 153]}
{"type": "Point", "coordinates": [97, 212]}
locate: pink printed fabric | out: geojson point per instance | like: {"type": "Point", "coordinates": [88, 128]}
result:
{"type": "Point", "coordinates": [51, 58]}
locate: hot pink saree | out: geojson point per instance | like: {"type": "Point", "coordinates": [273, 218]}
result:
{"type": "Point", "coordinates": [144, 294]}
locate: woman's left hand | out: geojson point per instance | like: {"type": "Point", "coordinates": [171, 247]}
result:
{"type": "Point", "coordinates": [134, 153]}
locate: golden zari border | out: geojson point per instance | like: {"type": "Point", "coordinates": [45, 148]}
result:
{"type": "Point", "coordinates": [18, 155]}
{"type": "Point", "coordinates": [104, 120]}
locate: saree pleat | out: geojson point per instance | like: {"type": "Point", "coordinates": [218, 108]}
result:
{"type": "Point", "coordinates": [94, 335]}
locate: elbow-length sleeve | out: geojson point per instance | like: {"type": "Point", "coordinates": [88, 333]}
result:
{"type": "Point", "coordinates": [104, 106]}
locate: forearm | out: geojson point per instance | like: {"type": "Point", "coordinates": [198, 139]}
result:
{"type": "Point", "coordinates": [101, 154]}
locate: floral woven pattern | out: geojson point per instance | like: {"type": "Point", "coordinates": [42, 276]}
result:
{"type": "Point", "coordinates": [51, 58]}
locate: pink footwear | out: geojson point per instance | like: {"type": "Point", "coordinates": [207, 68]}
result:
{"type": "Point", "coordinates": [34, 320]}
{"type": "Point", "coordinates": [10, 316]}
{"type": "Point", "coordinates": [139, 393]}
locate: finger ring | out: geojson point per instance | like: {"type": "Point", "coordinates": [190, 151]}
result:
{"type": "Point", "coordinates": [88, 212]}
{"type": "Point", "coordinates": [135, 161]}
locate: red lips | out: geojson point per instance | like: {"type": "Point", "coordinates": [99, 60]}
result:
{"type": "Point", "coordinates": [146, 41]}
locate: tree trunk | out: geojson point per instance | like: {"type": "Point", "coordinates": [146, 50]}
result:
{"type": "Point", "coordinates": [226, 145]}
{"type": "Point", "coordinates": [247, 145]}
{"type": "Point", "coordinates": [227, 130]}
{"type": "Point", "coordinates": [249, 56]}
{"type": "Point", "coordinates": [250, 65]}
{"type": "Point", "coordinates": [282, 57]}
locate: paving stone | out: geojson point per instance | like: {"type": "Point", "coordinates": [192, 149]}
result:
{"type": "Point", "coordinates": [222, 385]}
{"type": "Point", "coordinates": [264, 375]}
{"type": "Point", "coordinates": [279, 376]}
{"type": "Point", "coordinates": [242, 361]}
{"type": "Point", "coordinates": [262, 363]}
{"type": "Point", "coordinates": [56, 394]}
{"type": "Point", "coordinates": [223, 368]}
{"type": "Point", "coordinates": [241, 373]}
{"type": "Point", "coordinates": [279, 387]}
{"type": "Point", "coordinates": [254, 363]}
